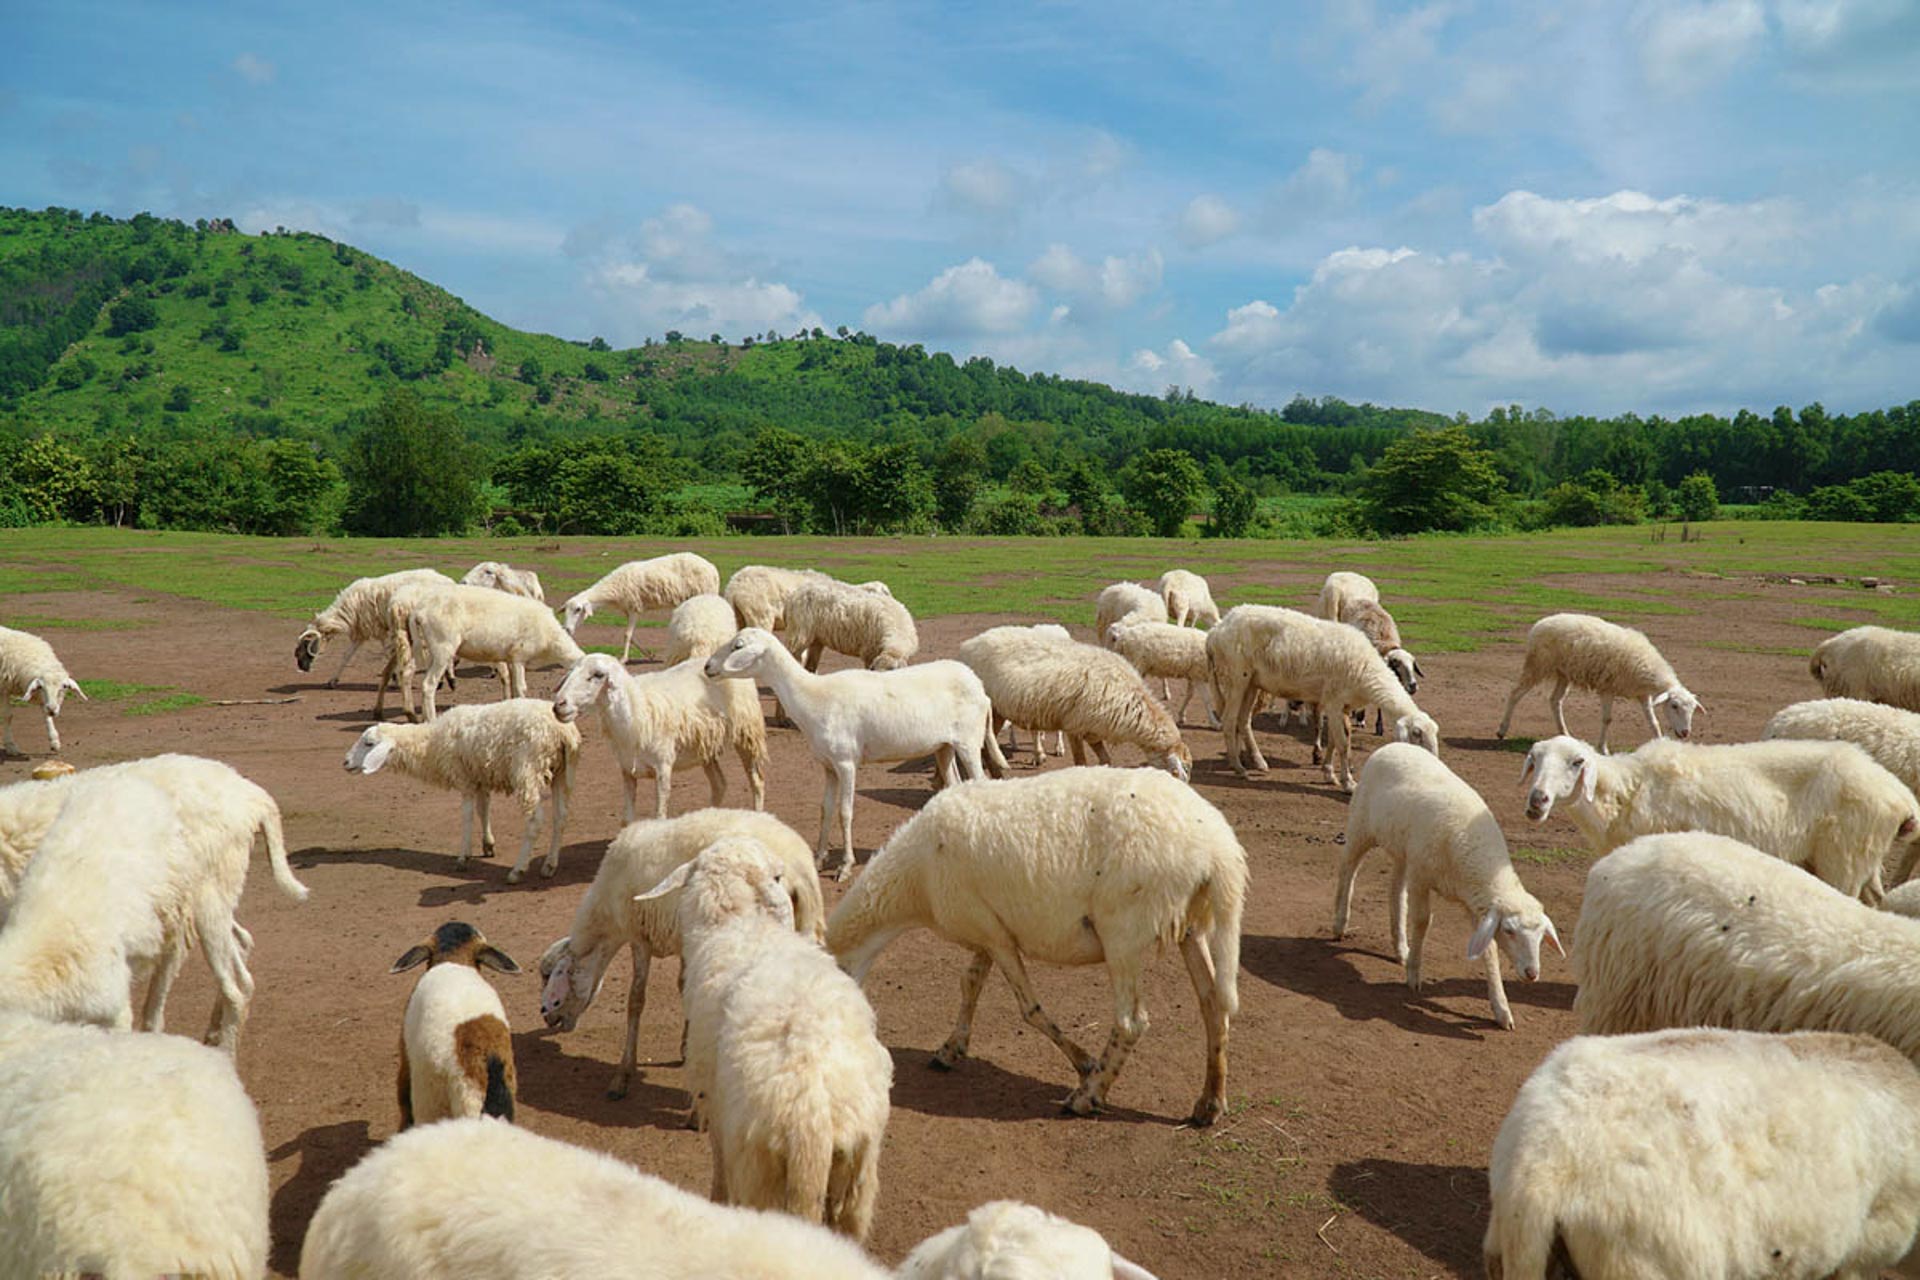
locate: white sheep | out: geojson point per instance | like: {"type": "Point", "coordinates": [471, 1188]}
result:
{"type": "Point", "coordinates": [823, 615]}
{"type": "Point", "coordinates": [477, 624]}
{"type": "Point", "coordinates": [1091, 694]}
{"type": "Point", "coordinates": [1007, 1240]}
{"type": "Point", "coordinates": [1127, 601]}
{"type": "Point", "coordinates": [1580, 651]}
{"type": "Point", "coordinates": [361, 613]}
{"type": "Point", "coordinates": [1168, 651]}
{"type": "Point", "coordinates": [608, 918]}
{"type": "Point", "coordinates": [1709, 1153]}
{"type": "Point", "coordinates": [1891, 735]}
{"type": "Point", "coordinates": [1189, 598]}
{"type": "Point", "coordinates": [1381, 631]}
{"type": "Point", "coordinates": [1058, 632]}
{"type": "Point", "coordinates": [1078, 866]}
{"type": "Point", "coordinates": [504, 577]}
{"type": "Point", "coordinates": [1903, 900]}
{"type": "Point", "coordinates": [1444, 841]}
{"type": "Point", "coordinates": [699, 625]}
{"type": "Point", "coordinates": [1263, 649]}
{"type": "Point", "coordinates": [456, 1045]}
{"type": "Point", "coordinates": [758, 594]}
{"type": "Point", "coordinates": [470, 1198]}
{"type": "Point", "coordinates": [640, 585]}
{"type": "Point", "coordinates": [1690, 929]}
{"type": "Point", "coordinates": [1822, 806]}
{"type": "Point", "coordinates": [781, 1044]}
{"type": "Point", "coordinates": [655, 719]}
{"type": "Point", "coordinates": [847, 717]}
{"type": "Point", "coordinates": [515, 747]}
{"type": "Point", "coordinates": [126, 1155]}
{"type": "Point", "coordinates": [221, 812]}
{"type": "Point", "coordinates": [1877, 664]}
{"type": "Point", "coordinates": [29, 670]}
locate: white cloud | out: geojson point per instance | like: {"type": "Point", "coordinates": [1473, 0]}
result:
{"type": "Point", "coordinates": [1386, 55]}
{"type": "Point", "coordinates": [1206, 220]}
{"type": "Point", "coordinates": [984, 188]}
{"type": "Point", "coordinates": [1179, 365]}
{"type": "Point", "coordinates": [253, 68]}
{"type": "Point", "coordinates": [1686, 46]}
{"type": "Point", "coordinates": [634, 296]}
{"type": "Point", "coordinates": [1852, 45]}
{"type": "Point", "coordinates": [969, 299]}
{"type": "Point", "coordinates": [1321, 186]}
{"type": "Point", "coordinates": [1113, 284]}
{"type": "Point", "coordinates": [1631, 226]}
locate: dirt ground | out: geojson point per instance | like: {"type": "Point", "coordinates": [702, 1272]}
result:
{"type": "Point", "coordinates": [1361, 1114]}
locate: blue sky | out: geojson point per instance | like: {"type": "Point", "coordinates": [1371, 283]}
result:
{"type": "Point", "coordinates": [1593, 207]}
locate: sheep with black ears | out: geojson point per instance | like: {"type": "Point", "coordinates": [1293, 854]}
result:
{"type": "Point", "coordinates": [1709, 1153]}
{"type": "Point", "coordinates": [456, 1045]}
{"type": "Point", "coordinates": [1822, 806]}
{"type": "Point", "coordinates": [1580, 651]}
{"type": "Point", "coordinates": [517, 747]}
{"type": "Point", "coordinates": [1078, 866]}
{"type": "Point", "coordinates": [29, 669]}
{"type": "Point", "coordinates": [608, 918]}
{"type": "Point", "coordinates": [1876, 664]}
{"type": "Point", "coordinates": [640, 585]}
{"type": "Point", "coordinates": [126, 1155]}
{"type": "Point", "coordinates": [781, 1046]}
{"type": "Point", "coordinates": [1443, 840]}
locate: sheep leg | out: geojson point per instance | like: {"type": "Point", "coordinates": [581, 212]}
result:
{"type": "Point", "coordinates": [1340, 750]}
{"type": "Point", "coordinates": [341, 670]}
{"type": "Point", "coordinates": [944, 770]}
{"type": "Point", "coordinates": [845, 770]}
{"type": "Point", "coordinates": [829, 803]}
{"type": "Point", "coordinates": [626, 645]}
{"type": "Point", "coordinates": [1653, 721]}
{"type": "Point", "coordinates": [519, 867]}
{"type": "Point", "coordinates": [1558, 700]}
{"type": "Point", "coordinates": [1100, 749]}
{"type": "Point", "coordinates": [1079, 750]}
{"type": "Point", "coordinates": [756, 780]}
{"type": "Point", "coordinates": [1015, 970]}
{"type": "Point", "coordinates": [1320, 734]}
{"type": "Point", "coordinates": [1249, 743]}
{"type": "Point", "coordinates": [662, 787]}
{"type": "Point", "coordinates": [1496, 989]}
{"type": "Point", "coordinates": [970, 984]}
{"type": "Point", "coordinates": [967, 755]}
{"type": "Point", "coordinates": [561, 797]}
{"type": "Point", "coordinates": [1130, 1022]}
{"type": "Point", "coordinates": [636, 1005]}
{"type": "Point", "coordinates": [1213, 1094]}
{"type": "Point", "coordinates": [466, 831]}
{"type": "Point", "coordinates": [6, 728]}
{"type": "Point", "coordinates": [153, 1011]}
{"type": "Point", "coordinates": [1059, 744]}
{"type": "Point", "coordinates": [430, 684]}
{"type": "Point", "coordinates": [484, 801]}
{"type": "Point", "coordinates": [1397, 912]}
{"type": "Point", "coordinates": [1180, 716]}
{"type": "Point", "coordinates": [1422, 905]}
{"type": "Point", "coordinates": [716, 782]}
{"type": "Point", "coordinates": [1606, 721]}
{"type": "Point", "coordinates": [1358, 846]}
{"type": "Point", "coordinates": [717, 1189]}
{"type": "Point", "coordinates": [230, 976]}
{"type": "Point", "coordinates": [630, 783]}
{"type": "Point", "coordinates": [1521, 689]}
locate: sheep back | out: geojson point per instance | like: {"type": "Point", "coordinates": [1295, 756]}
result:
{"type": "Point", "coordinates": [1042, 683]}
{"type": "Point", "coordinates": [699, 625]}
{"type": "Point", "coordinates": [1592, 653]}
{"type": "Point", "coordinates": [1876, 664]}
{"type": "Point", "coordinates": [862, 624]}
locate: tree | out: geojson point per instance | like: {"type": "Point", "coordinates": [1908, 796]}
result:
{"type": "Point", "coordinates": [52, 480]}
{"type": "Point", "coordinates": [131, 315]}
{"type": "Point", "coordinates": [180, 398]}
{"type": "Point", "coordinates": [956, 479]}
{"type": "Point", "coordinates": [1431, 480]}
{"type": "Point", "coordinates": [410, 472]}
{"type": "Point", "coordinates": [1166, 484]}
{"type": "Point", "coordinates": [1697, 498]}
{"type": "Point", "coordinates": [1234, 505]}
{"type": "Point", "coordinates": [895, 491]}
{"type": "Point", "coordinates": [775, 467]}
{"type": "Point", "coordinates": [1893, 495]}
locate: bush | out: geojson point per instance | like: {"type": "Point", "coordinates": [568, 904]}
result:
{"type": "Point", "coordinates": [410, 472]}
{"type": "Point", "coordinates": [506, 527]}
{"type": "Point", "coordinates": [1838, 502]}
{"type": "Point", "coordinates": [1893, 495]}
{"type": "Point", "coordinates": [1166, 484]}
{"type": "Point", "coordinates": [1234, 506]}
{"type": "Point", "coordinates": [1432, 480]}
{"type": "Point", "coordinates": [1014, 515]}
{"type": "Point", "coordinates": [1594, 499]}
{"type": "Point", "coordinates": [131, 315]}
{"type": "Point", "coordinates": [1697, 498]}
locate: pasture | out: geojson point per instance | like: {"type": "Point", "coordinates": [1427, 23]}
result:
{"type": "Point", "coordinates": [1361, 1116]}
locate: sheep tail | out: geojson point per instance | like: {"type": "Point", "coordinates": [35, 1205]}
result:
{"type": "Point", "coordinates": [499, 1097]}
{"type": "Point", "coordinates": [277, 852]}
{"type": "Point", "coordinates": [1815, 666]}
{"type": "Point", "coordinates": [1525, 1244]}
{"type": "Point", "coordinates": [810, 1162]}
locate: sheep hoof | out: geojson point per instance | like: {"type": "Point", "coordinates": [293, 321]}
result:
{"type": "Point", "coordinates": [513, 876]}
{"type": "Point", "coordinates": [486, 851]}
{"type": "Point", "coordinates": [845, 873]}
{"type": "Point", "coordinates": [1080, 1103]}
{"type": "Point", "coordinates": [1206, 1111]}
{"type": "Point", "coordinates": [617, 1090]}
{"type": "Point", "coordinates": [547, 869]}
{"type": "Point", "coordinates": [1503, 1018]}
{"type": "Point", "coordinates": [947, 1059]}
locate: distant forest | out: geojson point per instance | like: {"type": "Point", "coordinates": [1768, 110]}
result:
{"type": "Point", "coordinates": [171, 375]}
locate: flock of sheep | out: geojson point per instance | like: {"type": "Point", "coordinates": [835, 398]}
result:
{"type": "Point", "coordinates": [1743, 1101]}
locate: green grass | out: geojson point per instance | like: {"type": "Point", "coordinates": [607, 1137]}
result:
{"type": "Point", "coordinates": [43, 622]}
{"type": "Point", "coordinates": [141, 699]}
{"type": "Point", "coordinates": [1546, 857]}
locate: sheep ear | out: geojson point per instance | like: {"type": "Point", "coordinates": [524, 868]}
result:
{"type": "Point", "coordinates": [71, 683]}
{"type": "Point", "coordinates": [1124, 1270]}
{"type": "Point", "coordinates": [32, 687]}
{"type": "Point", "coordinates": [1553, 936]}
{"type": "Point", "coordinates": [1483, 936]}
{"type": "Point", "coordinates": [676, 879]}
{"type": "Point", "coordinates": [1663, 697]}
{"type": "Point", "coordinates": [1526, 770]}
{"type": "Point", "coordinates": [1699, 707]}
{"type": "Point", "coordinates": [494, 958]}
{"type": "Point", "coordinates": [1587, 780]}
{"type": "Point", "coordinates": [1417, 671]}
{"type": "Point", "coordinates": [377, 756]}
{"type": "Point", "coordinates": [414, 956]}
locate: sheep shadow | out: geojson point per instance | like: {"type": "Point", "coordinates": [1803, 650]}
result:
{"type": "Point", "coordinates": [980, 1090]}
{"type": "Point", "coordinates": [1440, 1210]}
{"type": "Point", "coordinates": [911, 799]}
{"type": "Point", "coordinates": [325, 1151]}
{"type": "Point", "coordinates": [569, 1084]}
{"type": "Point", "coordinates": [479, 879]}
{"type": "Point", "coordinates": [1318, 969]}
{"type": "Point", "coordinates": [1513, 745]}
{"type": "Point", "coordinates": [1216, 772]}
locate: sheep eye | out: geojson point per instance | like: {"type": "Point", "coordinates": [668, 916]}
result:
{"type": "Point", "coordinates": [1580, 762]}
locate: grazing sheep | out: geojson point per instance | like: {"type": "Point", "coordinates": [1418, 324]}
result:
{"type": "Point", "coordinates": [471, 1198]}
{"type": "Point", "coordinates": [504, 577]}
{"type": "Point", "coordinates": [1007, 1240]}
{"type": "Point", "coordinates": [515, 747]}
{"type": "Point", "coordinates": [1822, 806]}
{"type": "Point", "coordinates": [220, 812]}
{"type": "Point", "coordinates": [639, 585]}
{"type": "Point", "coordinates": [1340, 591]}
{"type": "Point", "coordinates": [1579, 651]}
{"type": "Point", "coordinates": [361, 612]}
{"type": "Point", "coordinates": [873, 627]}
{"type": "Point", "coordinates": [479, 625]}
{"type": "Point", "coordinates": [608, 919]}
{"type": "Point", "coordinates": [1709, 1153]}
{"type": "Point", "coordinates": [1875, 664]}
{"type": "Point", "coordinates": [699, 625]}
{"type": "Point", "coordinates": [847, 717]}
{"type": "Point", "coordinates": [1188, 597]}
{"type": "Point", "coordinates": [1079, 866]}
{"type": "Point", "coordinates": [1168, 651]}
{"type": "Point", "coordinates": [1443, 840]}
{"type": "Point", "coordinates": [1058, 632]}
{"type": "Point", "coordinates": [1378, 626]}
{"type": "Point", "coordinates": [456, 1046]}
{"type": "Point", "coordinates": [1262, 649]}
{"type": "Point", "coordinates": [1891, 735]}
{"type": "Point", "coordinates": [126, 1155]}
{"type": "Point", "coordinates": [758, 594]}
{"type": "Point", "coordinates": [1126, 601]}
{"type": "Point", "coordinates": [1690, 929]}
{"type": "Point", "coordinates": [780, 1043]}
{"type": "Point", "coordinates": [28, 670]}
{"type": "Point", "coordinates": [1091, 694]}
{"type": "Point", "coordinates": [654, 719]}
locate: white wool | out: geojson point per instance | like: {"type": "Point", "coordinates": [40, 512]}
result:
{"type": "Point", "coordinates": [1126, 601]}
{"type": "Point", "coordinates": [504, 577]}
{"type": "Point", "coordinates": [1341, 591]}
{"type": "Point", "coordinates": [1091, 694]}
{"type": "Point", "coordinates": [472, 1198]}
{"type": "Point", "coordinates": [362, 613]}
{"type": "Point", "coordinates": [439, 1084]}
{"type": "Point", "coordinates": [758, 594]}
{"type": "Point", "coordinates": [1170, 652]}
{"type": "Point", "coordinates": [1072, 867]}
{"type": "Point", "coordinates": [640, 585]}
{"type": "Point", "coordinates": [1877, 664]}
{"type": "Point", "coordinates": [1057, 632]}
{"type": "Point", "coordinates": [515, 747]}
{"type": "Point", "coordinates": [1444, 841]}
{"type": "Point", "coordinates": [1579, 651]}
{"type": "Point", "coordinates": [29, 670]}
{"type": "Point", "coordinates": [126, 1155]}
{"type": "Point", "coordinates": [1891, 735]}
{"type": "Point", "coordinates": [1903, 900]}
{"type": "Point", "coordinates": [1189, 599]}
{"type": "Point", "coordinates": [608, 918]}
{"type": "Point", "coordinates": [872, 626]}
{"type": "Point", "coordinates": [1007, 1240]}
{"type": "Point", "coordinates": [699, 625]}
{"type": "Point", "coordinates": [1823, 806]}
{"type": "Point", "coordinates": [847, 717]}
{"type": "Point", "coordinates": [656, 719]}
{"type": "Point", "coordinates": [475, 624]}
{"type": "Point", "coordinates": [1288, 654]}
{"type": "Point", "coordinates": [1709, 1153]}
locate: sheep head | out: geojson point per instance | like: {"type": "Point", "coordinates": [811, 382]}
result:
{"type": "Point", "coordinates": [370, 750]}
{"type": "Point", "coordinates": [53, 692]}
{"type": "Point", "coordinates": [1558, 768]}
{"type": "Point", "coordinates": [308, 647]}
{"type": "Point", "coordinates": [1178, 762]}
{"type": "Point", "coordinates": [1405, 668]}
{"type": "Point", "coordinates": [732, 878]}
{"type": "Point", "coordinates": [740, 657]}
{"type": "Point", "coordinates": [1519, 934]}
{"type": "Point", "coordinates": [578, 610]}
{"type": "Point", "coordinates": [1677, 707]}
{"type": "Point", "coordinates": [455, 942]}
{"type": "Point", "coordinates": [587, 684]}
{"type": "Point", "coordinates": [1420, 729]}
{"type": "Point", "coordinates": [570, 981]}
